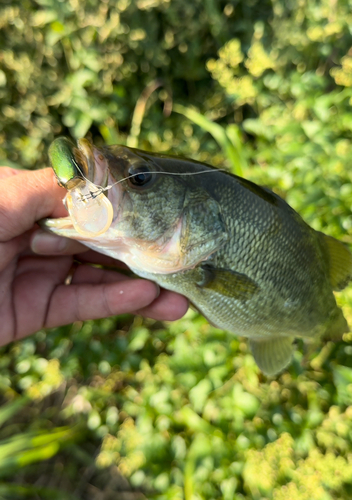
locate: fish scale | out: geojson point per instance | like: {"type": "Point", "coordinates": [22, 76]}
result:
{"type": "Point", "coordinates": [243, 257]}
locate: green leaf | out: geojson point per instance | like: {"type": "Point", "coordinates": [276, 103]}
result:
{"type": "Point", "coordinates": [343, 382]}
{"type": "Point", "coordinates": [230, 147]}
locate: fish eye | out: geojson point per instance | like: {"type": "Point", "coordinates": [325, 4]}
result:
{"type": "Point", "coordinates": [140, 176]}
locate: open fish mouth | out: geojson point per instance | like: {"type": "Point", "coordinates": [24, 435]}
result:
{"type": "Point", "coordinates": [83, 172]}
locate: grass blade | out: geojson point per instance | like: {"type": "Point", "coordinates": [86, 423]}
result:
{"type": "Point", "coordinates": [231, 146]}
{"type": "Point", "coordinates": [11, 408]}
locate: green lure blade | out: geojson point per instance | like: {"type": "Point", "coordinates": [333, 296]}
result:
{"type": "Point", "coordinates": [63, 162]}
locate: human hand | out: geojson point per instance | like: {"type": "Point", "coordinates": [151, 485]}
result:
{"type": "Point", "coordinates": [34, 266]}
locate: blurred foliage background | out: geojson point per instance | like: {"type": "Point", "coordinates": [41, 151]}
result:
{"type": "Point", "coordinates": [129, 408]}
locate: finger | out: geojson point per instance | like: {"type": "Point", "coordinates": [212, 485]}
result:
{"type": "Point", "coordinates": [11, 248]}
{"type": "Point", "coordinates": [40, 297]}
{"type": "Point", "coordinates": [89, 274]}
{"type": "Point", "coordinates": [98, 258]}
{"type": "Point", "coordinates": [88, 301]}
{"type": "Point", "coordinates": [44, 243]}
{"type": "Point", "coordinates": [169, 306]}
{"type": "Point", "coordinates": [35, 279]}
{"type": "Point", "coordinates": [26, 198]}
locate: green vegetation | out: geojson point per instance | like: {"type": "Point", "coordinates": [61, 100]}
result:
{"type": "Point", "coordinates": [180, 411]}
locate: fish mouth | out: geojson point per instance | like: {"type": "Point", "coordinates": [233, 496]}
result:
{"type": "Point", "coordinates": [74, 165]}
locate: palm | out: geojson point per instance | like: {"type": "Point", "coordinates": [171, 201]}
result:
{"type": "Point", "coordinates": [34, 292]}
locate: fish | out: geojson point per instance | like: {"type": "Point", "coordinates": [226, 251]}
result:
{"type": "Point", "coordinates": [241, 255]}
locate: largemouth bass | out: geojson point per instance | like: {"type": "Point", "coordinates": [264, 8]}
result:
{"type": "Point", "coordinates": [243, 257]}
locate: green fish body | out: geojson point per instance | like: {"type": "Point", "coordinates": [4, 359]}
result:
{"type": "Point", "coordinates": [243, 257]}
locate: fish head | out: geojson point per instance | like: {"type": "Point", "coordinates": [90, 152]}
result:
{"type": "Point", "coordinates": [162, 221]}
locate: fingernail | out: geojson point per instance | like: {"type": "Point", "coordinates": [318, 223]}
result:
{"type": "Point", "coordinates": [158, 290]}
{"type": "Point", "coordinates": [45, 243]}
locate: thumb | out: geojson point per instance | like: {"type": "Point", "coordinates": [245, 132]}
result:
{"type": "Point", "coordinates": [26, 198]}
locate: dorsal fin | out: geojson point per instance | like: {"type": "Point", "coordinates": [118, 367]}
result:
{"type": "Point", "coordinates": [340, 262]}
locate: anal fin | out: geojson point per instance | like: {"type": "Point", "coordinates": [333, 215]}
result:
{"type": "Point", "coordinates": [272, 355]}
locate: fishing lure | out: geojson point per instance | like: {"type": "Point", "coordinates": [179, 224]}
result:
{"type": "Point", "coordinates": [90, 210]}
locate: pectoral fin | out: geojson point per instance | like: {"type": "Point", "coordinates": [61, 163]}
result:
{"type": "Point", "coordinates": [272, 355]}
{"type": "Point", "coordinates": [228, 283]}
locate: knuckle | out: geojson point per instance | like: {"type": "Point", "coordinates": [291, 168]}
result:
{"type": "Point", "coordinates": [7, 172]}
